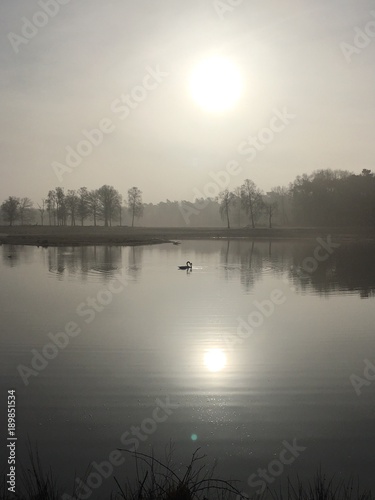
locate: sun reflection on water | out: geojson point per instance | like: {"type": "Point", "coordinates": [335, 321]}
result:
{"type": "Point", "coordinates": [215, 360]}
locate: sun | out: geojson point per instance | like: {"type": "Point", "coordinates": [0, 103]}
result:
{"type": "Point", "coordinates": [216, 84]}
{"type": "Point", "coordinates": [215, 360]}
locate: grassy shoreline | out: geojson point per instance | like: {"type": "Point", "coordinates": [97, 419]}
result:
{"type": "Point", "coordinates": [126, 236]}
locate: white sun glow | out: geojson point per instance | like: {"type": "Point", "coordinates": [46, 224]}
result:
{"type": "Point", "coordinates": [216, 84]}
{"type": "Point", "coordinates": [215, 360]}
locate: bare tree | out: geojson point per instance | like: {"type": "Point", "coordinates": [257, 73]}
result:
{"type": "Point", "coordinates": [51, 207]}
{"type": "Point", "coordinates": [108, 203]}
{"type": "Point", "coordinates": [93, 204]}
{"type": "Point", "coordinates": [24, 210]}
{"type": "Point", "coordinates": [60, 206]}
{"type": "Point", "coordinates": [83, 204]}
{"type": "Point", "coordinates": [251, 198]}
{"type": "Point", "coordinates": [271, 207]}
{"type": "Point", "coordinates": [237, 202]}
{"type": "Point", "coordinates": [72, 203]}
{"type": "Point", "coordinates": [225, 199]}
{"type": "Point", "coordinates": [119, 207]}
{"type": "Point", "coordinates": [9, 209]}
{"type": "Point", "coordinates": [135, 203]}
{"type": "Point", "coordinates": [42, 210]}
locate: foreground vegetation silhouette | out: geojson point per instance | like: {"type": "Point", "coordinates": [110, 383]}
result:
{"type": "Point", "coordinates": [161, 481]}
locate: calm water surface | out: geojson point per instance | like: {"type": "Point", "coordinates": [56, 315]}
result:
{"type": "Point", "coordinates": [242, 374]}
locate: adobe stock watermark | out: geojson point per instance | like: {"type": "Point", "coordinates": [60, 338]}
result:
{"type": "Point", "coordinates": [132, 439]}
{"type": "Point", "coordinates": [249, 148]}
{"type": "Point", "coordinates": [223, 7]}
{"type": "Point", "coordinates": [220, 181]}
{"type": "Point", "coordinates": [362, 39]}
{"type": "Point", "coordinates": [30, 27]}
{"type": "Point", "coordinates": [122, 108]}
{"type": "Point", "coordinates": [254, 144]}
{"type": "Point", "coordinates": [265, 477]}
{"type": "Point", "coordinates": [60, 340]}
{"type": "Point", "coordinates": [262, 309]}
{"type": "Point", "coordinates": [321, 253]}
{"type": "Point", "coordinates": [368, 376]}
{"type": "Point", "coordinates": [266, 308]}
{"type": "Point", "coordinates": [310, 264]}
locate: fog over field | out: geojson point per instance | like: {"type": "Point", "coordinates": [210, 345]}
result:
{"type": "Point", "coordinates": [97, 93]}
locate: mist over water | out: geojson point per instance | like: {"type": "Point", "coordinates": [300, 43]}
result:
{"type": "Point", "coordinates": [253, 347]}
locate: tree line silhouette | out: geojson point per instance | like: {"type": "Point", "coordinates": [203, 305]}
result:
{"type": "Point", "coordinates": [323, 198]}
{"type": "Point", "coordinates": [103, 205]}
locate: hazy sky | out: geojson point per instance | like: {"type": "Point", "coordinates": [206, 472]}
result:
{"type": "Point", "coordinates": [76, 72]}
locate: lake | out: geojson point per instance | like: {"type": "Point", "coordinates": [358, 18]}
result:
{"type": "Point", "coordinates": [263, 356]}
